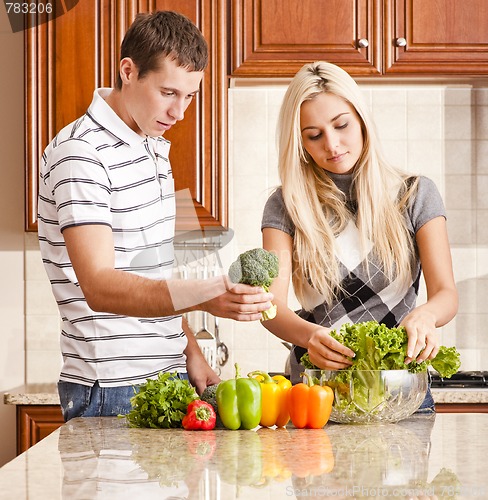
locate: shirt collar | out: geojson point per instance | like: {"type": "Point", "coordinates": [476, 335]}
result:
{"type": "Point", "coordinates": [104, 115]}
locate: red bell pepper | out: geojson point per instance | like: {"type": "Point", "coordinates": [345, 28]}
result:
{"type": "Point", "coordinates": [200, 415]}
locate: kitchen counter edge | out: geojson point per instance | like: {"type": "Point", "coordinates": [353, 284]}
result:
{"type": "Point", "coordinates": [47, 394]}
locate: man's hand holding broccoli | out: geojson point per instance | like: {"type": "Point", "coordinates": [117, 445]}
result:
{"type": "Point", "coordinates": [256, 267]}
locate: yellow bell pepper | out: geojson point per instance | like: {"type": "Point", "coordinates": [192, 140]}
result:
{"type": "Point", "coordinates": [284, 415]}
{"type": "Point", "coordinates": [274, 409]}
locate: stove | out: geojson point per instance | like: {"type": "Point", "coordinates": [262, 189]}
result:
{"type": "Point", "coordinates": [461, 380]}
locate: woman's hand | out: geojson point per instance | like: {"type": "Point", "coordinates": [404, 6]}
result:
{"type": "Point", "coordinates": [326, 352]}
{"type": "Point", "coordinates": [423, 338]}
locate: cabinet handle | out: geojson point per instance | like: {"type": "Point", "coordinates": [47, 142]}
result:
{"type": "Point", "coordinates": [363, 43]}
{"type": "Point", "coordinates": [400, 42]}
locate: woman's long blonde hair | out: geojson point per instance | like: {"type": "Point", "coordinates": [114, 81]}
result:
{"type": "Point", "coordinates": [317, 207]}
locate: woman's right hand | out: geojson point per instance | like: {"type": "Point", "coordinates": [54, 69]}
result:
{"type": "Point", "coordinates": [326, 352]}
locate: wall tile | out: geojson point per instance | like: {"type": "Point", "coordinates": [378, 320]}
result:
{"type": "Point", "coordinates": [40, 299]}
{"type": "Point", "coordinates": [482, 192]}
{"type": "Point", "coordinates": [468, 296]}
{"type": "Point", "coordinates": [466, 330]}
{"type": "Point", "coordinates": [482, 262]}
{"type": "Point", "coordinates": [43, 367]}
{"type": "Point", "coordinates": [470, 359]}
{"type": "Point", "coordinates": [481, 148]}
{"type": "Point", "coordinates": [250, 192]}
{"type": "Point", "coordinates": [464, 261]}
{"type": "Point", "coordinates": [461, 225]}
{"type": "Point", "coordinates": [425, 96]}
{"type": "Point", "coordinates": [388, 97]}
{"type": "Point", "coordinates": [277, 360]}
{"type": "Point", "coordinates": [42, 332]}
{"type": "Point", "coordinates": [252, 359]}
{"type": "Point", "coordinates": [249, 131]}
{"type": "Point", "coordinates": [249, 334]}
{"type": "Point", "coordinates": [448, 333]}
{"type": "Point", "coordinates": [461, 96]}
{"type": "Point", "coordinates": [482, 227]}
{"type": "Point", "coordinates": [425, 157]}
{"type": "Point", "coordinates": [459, 157]}
{"type": "Point", "coordinates": [458, 123]}
{"type": "Point", "coordinates": [247, 227]}
{"type": "Point", "coordinates": [482, 289]}
{"type": "Point", "coordinates": [481, 122]}
{"type": "Point", "coordinates": [459, 192]}
{"type": "Point", "coordinates": [396, 153]}
{"type": "Point", "coordinates": [481, 96]}
{"type": "Point", "coordinates": [424, 122]}
{"type": "Point", "coordinates": [390, 122]}
{"type": "Point", "coordinates": [34, 267]}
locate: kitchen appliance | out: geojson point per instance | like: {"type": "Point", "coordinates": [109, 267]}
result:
{"type": "Point", "coordinates": [461, 380]}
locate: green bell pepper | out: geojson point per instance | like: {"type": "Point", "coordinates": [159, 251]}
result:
{"type": "Point", "coordinates": [239, 402]}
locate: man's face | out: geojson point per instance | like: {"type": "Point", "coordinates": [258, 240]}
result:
{"type": "Point", "coordinates": [154, 103]}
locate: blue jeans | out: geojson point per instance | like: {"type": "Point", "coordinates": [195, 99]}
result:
{"type": "Point", "coordinates": [84, 401]}
{"type": "Point", "coordinates": [427, 405]}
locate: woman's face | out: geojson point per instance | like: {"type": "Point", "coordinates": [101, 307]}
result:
{"type": "Point", "coordinates": [331, 132]}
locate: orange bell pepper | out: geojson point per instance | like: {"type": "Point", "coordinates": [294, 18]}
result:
{"type": "Point", "coordinates": [274, 409]}
{"type": "Point", "coordinates": [309, 405]}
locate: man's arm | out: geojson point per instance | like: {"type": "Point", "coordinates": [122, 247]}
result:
{"type": "Point", "coordinates": [91, 251]}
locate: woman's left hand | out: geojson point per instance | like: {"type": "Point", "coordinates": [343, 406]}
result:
{"type": "Point", "coordinates": [423, 338]}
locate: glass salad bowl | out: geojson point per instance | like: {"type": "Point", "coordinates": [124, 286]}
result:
{"type": "Point", "coordinates": [372, 396]}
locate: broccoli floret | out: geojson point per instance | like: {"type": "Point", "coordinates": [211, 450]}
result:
{"type": "Point", "coordinates": [209, 395]}
{"type": "Point", "coordinates": [256, 267]}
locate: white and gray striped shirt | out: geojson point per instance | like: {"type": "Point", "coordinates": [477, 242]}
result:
{"type": "Point", "coordinates": [98, 171]}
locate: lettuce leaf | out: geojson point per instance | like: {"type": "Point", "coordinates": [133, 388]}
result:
{"type": "Point", "coordinates": [378, 347]}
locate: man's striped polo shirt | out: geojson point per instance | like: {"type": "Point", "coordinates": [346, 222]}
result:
{"type": "Point", "coordinates": [98, 171]}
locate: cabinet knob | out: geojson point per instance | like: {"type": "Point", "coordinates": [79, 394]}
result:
{"type": "Point", "coordinates": [363, 43]}
{"type": "Point", "coordinates": [400, 42]}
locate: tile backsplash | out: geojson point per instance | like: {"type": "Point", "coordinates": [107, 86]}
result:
{"type": "Point", "coordinates": [440, 131]}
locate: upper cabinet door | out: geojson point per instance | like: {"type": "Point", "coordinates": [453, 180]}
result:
{"type": "Point", "coordinates": [436, 36]}
{"type": "Point", "coordinates": [277, 37]}
{"type": "Point", "coordinates": [66, 59]}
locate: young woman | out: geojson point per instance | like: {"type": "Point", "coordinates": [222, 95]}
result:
{"type": "Point", "coordinates": [350, 230]}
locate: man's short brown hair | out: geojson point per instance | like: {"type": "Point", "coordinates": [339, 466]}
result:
{"type": "Point", "coordinates": [153, 36]}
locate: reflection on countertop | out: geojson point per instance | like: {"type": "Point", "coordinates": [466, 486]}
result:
{"type": "Point", "coordinates": [440, 455]}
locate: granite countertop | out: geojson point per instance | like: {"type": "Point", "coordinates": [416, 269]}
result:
{"type": "Point", "coordinates": [465, 395]}
{"type": "Point", "coordinates": [435, 456]}
{"type": "Point", "coordinates": [32, 394]}
{"type": "Point", "coordinates": [47, 394]}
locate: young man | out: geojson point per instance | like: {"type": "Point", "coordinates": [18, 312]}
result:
{"type": "Point", "coordinates": [106, 227]}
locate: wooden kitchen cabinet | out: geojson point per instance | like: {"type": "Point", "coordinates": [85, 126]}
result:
{"type": "Point", "coordinates": [277, 37]}
{"type": "Point", "coordinates": [68, 58]}
{"type": "Point", "coordinates": [461, 408]}
{"type": "Point", "coordinates": [274, 38]}
{"type": "Point", "coordinates": [440, 36]}
{"type": "Point", "coordinates": [35, 422]}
